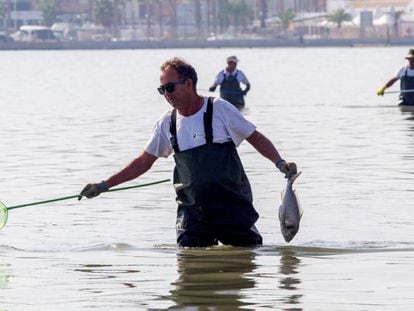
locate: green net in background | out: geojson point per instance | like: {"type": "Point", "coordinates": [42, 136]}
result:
{"type": "Point", "coordinates": [3, 215]}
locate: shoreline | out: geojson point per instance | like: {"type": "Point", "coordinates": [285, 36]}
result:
{"type": "Point", "coordinates": [189, 44]}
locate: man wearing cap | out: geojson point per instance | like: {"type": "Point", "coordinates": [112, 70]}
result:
{"type": "Point", "coordinates": [229, 80]}
{"type": "Point", "coordinates": [406, 77]}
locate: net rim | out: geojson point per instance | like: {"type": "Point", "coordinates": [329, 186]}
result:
{"type": "Point", "coordinates": [4, 214]}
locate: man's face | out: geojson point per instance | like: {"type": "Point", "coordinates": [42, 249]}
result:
{"type": "Point", "coordinates": [175, 90]}
{"type": "Point", "coordinates": [411, 62]}
{"type": "Point", "coordinates": [231, 66]}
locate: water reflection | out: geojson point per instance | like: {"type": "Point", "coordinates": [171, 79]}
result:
{"type": "Point", "coordinates": [4, 274]}
{"type": "Point", "coordinates": [124, 274]}
{"type": "Point", "coordinates": [408, 112]}
{"type": "Point", "coordinates": [288, 270]}
{"type": "Point", "coordinates": [213, 278]}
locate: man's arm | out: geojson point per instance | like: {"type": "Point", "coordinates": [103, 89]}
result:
{"type": "Point", "coordinates": [391, 82]}
{"type": "Point", "coordinates": [386, 86]}
{"type": "Point", "coordinates": [213, 87]}
{"type": "Point", "coordinates": [246, 89]}
{"type": "Point", "coordinates": [218, 80]}
{"type": "Point", "coordinates": [264, 146]}
{"type": "Point", "coordinates": [133, 170]}
{"type": "Point", "coordinates": [243, 79]}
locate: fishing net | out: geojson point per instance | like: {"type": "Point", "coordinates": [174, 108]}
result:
{"type": "Point", "coordinates": [3, 215]}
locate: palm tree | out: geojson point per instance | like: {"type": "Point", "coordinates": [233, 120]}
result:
{"type": "Point", "coordinates": [215, 15]}
{"type": "Point", "coordinates": [211, 16]}
{"type": "Point", "coordinates": [263, 13]}
{"type": "Point", "coordinates": [397, 18]}
{"type": "Point", "coordinates": [104, 12]}
{"type": "Point", "coordinates": [173, 18]}
{"type": "Point", "coordinates": [223, 19]}
{"type": "Point", "coordinates": [286, 18]}
{"type": "Point", "coordinates": [197, 11]}
{"type": "Point", "coordinates": [132, 16]}
{"type": "Point", "coordinates": [49, 11]}
{"type": "Point", "coordinates": [161, 18]}
{"type": "Point", "coordinates": [117, 11]}
{"type": "Point", "coordinates": [239, 13]}
{"type": "Point", "coordinates": [3, 13]}
{"type": "Point", "coordinates": [339, 16]}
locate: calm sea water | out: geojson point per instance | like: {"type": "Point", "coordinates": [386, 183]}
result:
{"type": "Point", "coordinates": [72, 117]}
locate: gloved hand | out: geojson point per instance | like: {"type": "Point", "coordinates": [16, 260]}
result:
{"type": "Point", "coordinates": [244, 92]}
{"type": "Point", "coordinates": [212, 88]}
{"type": "Point", "coordinates": [381, 91]}
{"type": "Point", "coordinates": [93, 190]}
{"type": "Point", "coordinates": [288, 168]}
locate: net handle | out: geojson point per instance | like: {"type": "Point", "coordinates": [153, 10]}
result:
{"type": "Point", "coordinates": [75, 196]}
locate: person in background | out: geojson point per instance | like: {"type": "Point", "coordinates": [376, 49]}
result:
{"type": "Point", "coordinates": [406, 77]}
{"type": "Point", "coordinates": [213, 192]}
{"type": "Point", "coordinates": [229, 80]}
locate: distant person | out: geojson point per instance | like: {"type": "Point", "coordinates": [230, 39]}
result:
{"type": "Point", "coordinates": [229, 80]}
{"type": "Point", "coordinates": [212, 190]}
{"type": "Point", "coordinates": [406, 77]}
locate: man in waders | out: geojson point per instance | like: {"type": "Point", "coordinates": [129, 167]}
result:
{"type": "Point", "coordinates": [229, 80]}
{"type": "Point", "coordinates": [406, 77]}
{"type": "Point", "coordinates": [213, 193]}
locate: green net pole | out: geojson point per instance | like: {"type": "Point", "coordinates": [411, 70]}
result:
{"type": "Point", "coordinates": [75, 196]}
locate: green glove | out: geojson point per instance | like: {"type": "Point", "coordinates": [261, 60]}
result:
{"type": "Point", "coordinates": [288, 168]}
{"type": "Point", "coordinates": [381, 91]}
{"type": "Point", "coordinates": [93, 190]}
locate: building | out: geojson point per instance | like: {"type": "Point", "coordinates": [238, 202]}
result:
{"type": "Point", "coordinates": [20, 12]}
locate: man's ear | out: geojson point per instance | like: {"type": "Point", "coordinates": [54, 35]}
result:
{"type": "Point", "coordinates": [189, 83]}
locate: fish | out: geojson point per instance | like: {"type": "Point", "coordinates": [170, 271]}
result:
{"type": "Point", "coordinates": [290, 211]}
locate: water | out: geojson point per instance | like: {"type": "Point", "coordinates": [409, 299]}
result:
{"type": "Point", "coordinates": [72, 117]}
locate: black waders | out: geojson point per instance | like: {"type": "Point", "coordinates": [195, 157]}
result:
{"type": "Point", "coordinates": [230, 90]}
{"type": "Point", "coordinates": [213, 193]}
{"type": "Point", "coordinates": [407, 83]}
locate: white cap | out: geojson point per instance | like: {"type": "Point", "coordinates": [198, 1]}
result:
{"type": "Point", "coordinates": [232, 59]}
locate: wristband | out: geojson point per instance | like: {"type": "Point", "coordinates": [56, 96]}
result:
{"type": "Point", "coordinates": [102, 186]}
{"type": "Point", "coordinates": [280, 163]}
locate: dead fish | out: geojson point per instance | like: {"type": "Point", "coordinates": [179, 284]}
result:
{"type": "Point", "coordinates": [290, 211]}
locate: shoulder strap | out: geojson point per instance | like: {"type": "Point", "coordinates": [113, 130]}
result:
{"type": "Point", "coordinates": [173, 131]}
{"type": "Point", "coordinates": [208, 121]}
{"type": "Point", "coordinates": [208, 125]}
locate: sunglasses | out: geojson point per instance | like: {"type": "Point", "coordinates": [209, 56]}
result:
{"type": "Point", "coordinates": [169, 87]}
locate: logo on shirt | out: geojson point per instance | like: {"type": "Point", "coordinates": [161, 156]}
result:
{"type": "Point", "coordinates": [198, 135]}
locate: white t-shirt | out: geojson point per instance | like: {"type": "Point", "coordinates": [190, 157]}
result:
{"type": "Point", "coordinates": [401, 73]}
{"type": "Point", "coordinates": [241, 77]}
{"type": "Point", "coordinates": [228, 125]}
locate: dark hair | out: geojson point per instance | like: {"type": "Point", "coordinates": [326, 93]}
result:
{"type": "Point", "coordinates": [185, 70]}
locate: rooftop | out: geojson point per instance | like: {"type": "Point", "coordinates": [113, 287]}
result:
{"type": "Point", "coordinates": [361, 4]}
